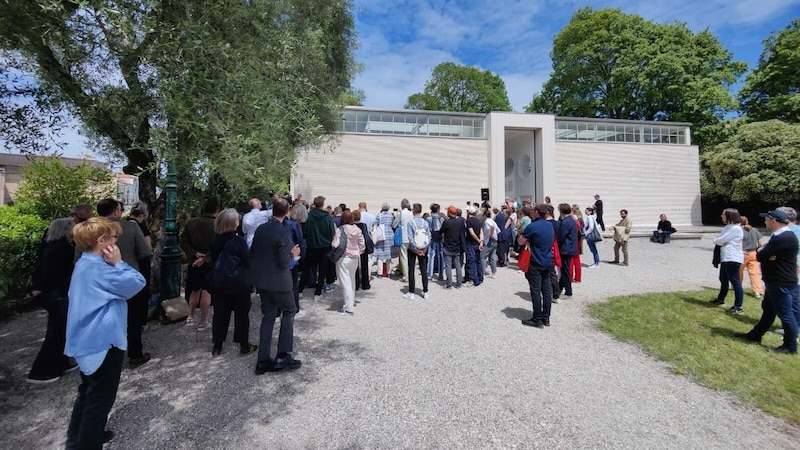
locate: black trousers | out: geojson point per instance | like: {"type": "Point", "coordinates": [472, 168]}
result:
{"type": "Point", "coordinates": [502, 253]}
{"type": "Point", "coordinates": [362, 274]}
{"type": "Point", "coordinates": [226, 303]}
{"type": "Point", "coordinates": [96, 396]}
{"type": "Point", "coordinates": [423, 268]}
{"type": "Point", "coordinates": [136, 305]}
{"type": "Point", "coordinates": [318, 259]}
{"type": "Point", "coordinates": [51, 362]}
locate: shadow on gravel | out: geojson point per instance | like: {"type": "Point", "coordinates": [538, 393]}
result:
{"type": "Point", "coordinates": [517, 313]}
{"type": "Point", "coordinates": [525, 295]}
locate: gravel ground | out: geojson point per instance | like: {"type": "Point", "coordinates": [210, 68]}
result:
{"type": "Point", "coordinates": [455, 371]}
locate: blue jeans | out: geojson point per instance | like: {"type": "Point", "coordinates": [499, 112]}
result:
{"type": "Point", "coordinates": [474, 266]}
{"type": "Point", "coordinates": [489, 255]}
{"type": "Point", "coordinates": [435, 259]}
{"type": "Point", "coordinates": [661, 237]}
{"type": "Point", "coordinates": [593, 248]}
{"type": "Point", "coordinates": [783, 302]}
{"type": "Point", "coordinates": [729, 273]}
{"type": "Point", "coordinates": [541, 291]}
{"type": "Point", "coordinates": [96, 396]}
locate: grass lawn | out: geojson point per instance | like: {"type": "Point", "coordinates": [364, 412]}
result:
{"type": "Point", "coordinates": [696, 337]}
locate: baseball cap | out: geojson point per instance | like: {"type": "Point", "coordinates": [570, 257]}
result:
{"type": "Point", "coordinates": [452, 210]}
{"type": "Point", "coordinates": [776, 215]}
{"type": "Point", "coordinates": [472, 210]}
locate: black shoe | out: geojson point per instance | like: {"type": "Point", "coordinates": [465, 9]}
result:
{"type": "Point", "coordinates": [250, 348]}
{"type": "Point", "coordinates": [216, 350]}
{"type": "Point", "coordinates": [532, 323]}
{"type": "Point", "coordinates": [108, 435]}
{"type": "Point", "coordinates": [748, 337]}
{"type": "Point", "coordinates": [546, 322]}
{"type": "Point", "coordinates": [717, 302]}
{"type": "Point", "coordinates": [784, 351]}
{"type": "Point", "coordinates": [263, 367]}
{"type": "Point", "coordinates": [136, 362]}
{"type": "Point", "coordinates": [287, 362]}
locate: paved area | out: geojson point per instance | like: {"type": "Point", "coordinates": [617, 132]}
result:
{"type": "Point", "coordinates": [455, 371]}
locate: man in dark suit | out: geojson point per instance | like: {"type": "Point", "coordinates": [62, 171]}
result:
{"type": "Point", "coordinates": [271, 254]}
{"type": "Point", "coordinates": [133, 248]}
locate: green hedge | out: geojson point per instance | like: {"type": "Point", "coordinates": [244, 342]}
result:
{"type": "Point", "coordinates": [19, 235]}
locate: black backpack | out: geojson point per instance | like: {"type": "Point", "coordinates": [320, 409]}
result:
{"type": "Point", "coordinates": [229, 271]}
{"type": "Point", "coordinates": [337, 252]}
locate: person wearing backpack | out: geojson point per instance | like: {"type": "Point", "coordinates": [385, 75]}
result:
{"type": "Point", "coordinates": [435, 249]}
{"type": "Point", "coordinates": [419, 239]}
{"type": "Point", "coordinates": [401, 222]}
{"type": "Point", "coordinates": [231, 255]}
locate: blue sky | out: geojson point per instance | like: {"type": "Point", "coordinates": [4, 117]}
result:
{"type": "Point", "coordinates": [401, 41]}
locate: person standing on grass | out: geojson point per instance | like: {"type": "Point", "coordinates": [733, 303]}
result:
{"type": "Point", "coordinates": [97, 320]}
{"type": "Point", "coordinates": [731, 258]}
{"type": "Point", "coordinates": [539, 235]}
{"type": "Point", "coordinates": [778, 258]}
{"type": "Point", "coordinates": [750, 243]}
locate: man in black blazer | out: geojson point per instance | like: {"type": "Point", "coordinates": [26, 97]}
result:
{"type": "Point", "coordinates": [271, 254]}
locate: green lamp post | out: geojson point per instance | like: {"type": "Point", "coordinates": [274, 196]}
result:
{"type": "Point", "coordinates": [171, 254]}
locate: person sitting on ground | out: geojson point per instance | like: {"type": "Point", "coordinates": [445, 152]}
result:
{"type": "Point", "coordinates": [97, 320]}
{"type": "Point", "coordinates": [663, 230]}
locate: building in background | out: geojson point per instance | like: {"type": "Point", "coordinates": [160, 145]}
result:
{"type": "Point", "coordinates": [11, 165]}
{"type": "Point", "coordinates": [127, 189]}
{"type": "Point", "coordinates": [649, 168]}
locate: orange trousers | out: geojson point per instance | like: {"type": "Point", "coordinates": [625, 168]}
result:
{"type": "Point", "coordinates": [754, 270]}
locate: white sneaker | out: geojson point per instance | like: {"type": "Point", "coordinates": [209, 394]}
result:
{"type": "Point", "coordinates": [425, 295]}
{"type": "Point", "coordinates": [780, 331]}
{"type": "Point", "coordinates": [203, 326]}
{"type": "Point", "coordinates": [409, 296]}
{"type": "Point", "coordinates": [300, 314]}
{"type": "Point", "coordinates": [189, 321]}
{"type": "Point", "coordinates": [594, 266]}
{"type": "Point", "coordinates": [317, 298]}
{"type": "Point", "coordinates": [758, 295]}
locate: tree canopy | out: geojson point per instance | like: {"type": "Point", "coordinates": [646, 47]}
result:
{"type": "Point", "coordinates": [760, 162]}
{"type": "Point", "coordinates": [620, 66]}
{"type": "Point", "coordinates": [229, 90]}
{"type": "Point", "coordinates": [772, 90]}
{"type": "Point", "coordinates": [453, 87]}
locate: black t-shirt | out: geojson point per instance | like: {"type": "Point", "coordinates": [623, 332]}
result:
{"type": "Point", "coordinates": [452, 234]}
{"type": "Point", "coordinates": [476, 225]}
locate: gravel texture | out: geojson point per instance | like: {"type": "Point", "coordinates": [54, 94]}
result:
{"type": "Point", "coordinates": [455, 371]}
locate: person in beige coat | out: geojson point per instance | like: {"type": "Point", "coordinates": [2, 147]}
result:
{"type": "Point", "coordinates": [622, 232]}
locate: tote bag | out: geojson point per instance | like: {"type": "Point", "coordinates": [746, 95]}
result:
{"type": "Point", "coordinates": [524, 261]}
{"type": "Point", "coordinates": [398, 236]}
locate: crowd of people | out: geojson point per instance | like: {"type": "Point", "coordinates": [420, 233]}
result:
{"type": "Point", "coordinates": [93, 274]}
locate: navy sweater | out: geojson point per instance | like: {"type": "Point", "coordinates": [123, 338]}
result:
{"type": "Point", "coordinates": [783, 270]}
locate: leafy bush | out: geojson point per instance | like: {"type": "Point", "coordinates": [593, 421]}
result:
{"type": "Point", "coordinates": [19, 235]}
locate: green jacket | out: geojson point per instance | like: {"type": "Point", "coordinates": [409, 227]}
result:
{"type": "Point", "coordinates": [320, 229]}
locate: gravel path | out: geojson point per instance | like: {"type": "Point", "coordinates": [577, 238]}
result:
{"type": "Point", "coordinates": [455, 371]}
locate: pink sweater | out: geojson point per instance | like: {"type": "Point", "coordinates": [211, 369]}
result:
{"type": "Point", "coordinates": [355, 240]}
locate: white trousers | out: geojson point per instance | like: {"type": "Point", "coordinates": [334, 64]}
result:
{"type": "Point", "coordinates": [346, 272]}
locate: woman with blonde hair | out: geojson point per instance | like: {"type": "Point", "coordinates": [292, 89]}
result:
{"type": "Point", "coordinates": [233, 294]}
{"type": "Point", "coordinates": [750, 243]}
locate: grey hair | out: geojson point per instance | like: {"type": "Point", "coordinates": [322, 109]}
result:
{"type": "Point", "coordinates": [791, 212]}
{"type": "Point", "coordinates": [405, 204]}
{"type": "Point", "coordinates": [299, 213]}
{"type": "Point", "coordinates": [226, 221]}
{"type": "Point", "coordinates": [138, 209]}
{"type": "Point", "coordinates": [386, 206]}
{"type": "Point", "coordinates": [60, 228]}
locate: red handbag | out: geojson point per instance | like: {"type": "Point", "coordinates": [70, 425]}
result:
{"type": "Point", "coordinates": [524, 260]}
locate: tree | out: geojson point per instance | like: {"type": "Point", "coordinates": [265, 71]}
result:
{"type": "Point", "coordinates": [621, 66]}
{"type": "Point", "coordinates": [51, 188]}
{"type": "Point", "coordinates": [229, 88]}
{"type": "Point", "coordinates": [772, 90]}
{"type": "Point", "coordinates": [761, 162]}
{"type": "Point", "coordinates": [461, 88]}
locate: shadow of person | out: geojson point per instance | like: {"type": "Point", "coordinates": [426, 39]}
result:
{"type": "Point", "coordinates": [517, 313]}
{"type": "Point", "coordinates": [525, 295]}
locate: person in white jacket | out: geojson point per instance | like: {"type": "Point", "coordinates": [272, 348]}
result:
{"type": "Point", "coordinates": [731, 258]}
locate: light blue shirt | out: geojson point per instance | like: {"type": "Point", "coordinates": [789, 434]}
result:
{"type": "Point", "coordinates": [98, 309]}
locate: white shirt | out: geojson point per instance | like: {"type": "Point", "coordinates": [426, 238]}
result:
{"type": "Point", "coordinates": [490, 230]}
{"type": "Point", "coordinates": [367, 219]}
{"type": "Point", "coordinates": [730, 241]}
{"type": "Point", "coordinates": [252, 220]}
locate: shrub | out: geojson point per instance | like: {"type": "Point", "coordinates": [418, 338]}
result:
{"type": "Point", "coordinates": [20, 234]}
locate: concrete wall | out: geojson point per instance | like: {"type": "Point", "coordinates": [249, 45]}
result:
{"type": "Point", "coordinates": [384, 168]}
{"type": "Point", "coordinates": [645, 179]}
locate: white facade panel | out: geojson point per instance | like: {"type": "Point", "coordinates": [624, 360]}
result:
{"type": "Point", "coordinates": [646, 179]}
{"type": "Point", "coordinates": [385, 168]}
